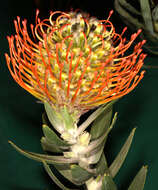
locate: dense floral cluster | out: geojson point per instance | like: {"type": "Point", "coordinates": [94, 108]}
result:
{"type": "Point", "coordinates": [75, 60]}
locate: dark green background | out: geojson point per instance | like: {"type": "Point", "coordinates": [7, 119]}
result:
{"type": "Point", "coordinates": [20, 115]}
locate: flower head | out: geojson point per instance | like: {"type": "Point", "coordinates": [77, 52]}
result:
{"type": "Point", "coordinates": [74, 60]}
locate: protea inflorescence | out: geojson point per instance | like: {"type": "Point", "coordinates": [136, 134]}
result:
{"type": "Point", "coordinates": [74, 63]}
{"type": "Point", "coordinates": [78, 61]}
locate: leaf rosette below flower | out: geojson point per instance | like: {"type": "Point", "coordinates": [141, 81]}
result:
{"type": "Point", "coordinates": [74, 60]}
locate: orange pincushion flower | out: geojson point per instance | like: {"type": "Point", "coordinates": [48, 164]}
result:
{"type": "Point", "coordinates": [77, 60]}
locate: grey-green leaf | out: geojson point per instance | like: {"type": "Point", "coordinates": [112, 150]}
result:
{"type": "Point", "coordinates": [68, 119]}
{"type": "Point", "coordinates": [155, 13]}
{"type": "Point", "coordinates": [47, 146]}
{"type": "Point", "coordinates": [101, 123]}
{"type": "Point", "coordinates": [117, 163]}
{"type": "Point", "coordinates": [101, 166]}
{"type": "Point", "coordinates": [146, 13]}
{"type": "Point", "coordinates": [93, 116]}
{"type": "Point", "coordinates": [53, 177]}
{"type": "Point", "coordinates": [139, 180]}
{"type": "Point", "coordinates": [79, 174]}
{"type": "Point", "coordinates": [108, 183]}
{"type": "Point", "coordinates": [127, 17]}
{"type": "Point", "coordinates": [47, 158]}
{"type": "Point", "coordinates": [52, 137]}
{"type": "Point", "coordinates": [54, 117]}
{"type": "Point", "coordinates": [95, 143]}
{"type": "Point", "coordinates": [64, 170]}
{"type": "Point", "coordinates": [129, 7]}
